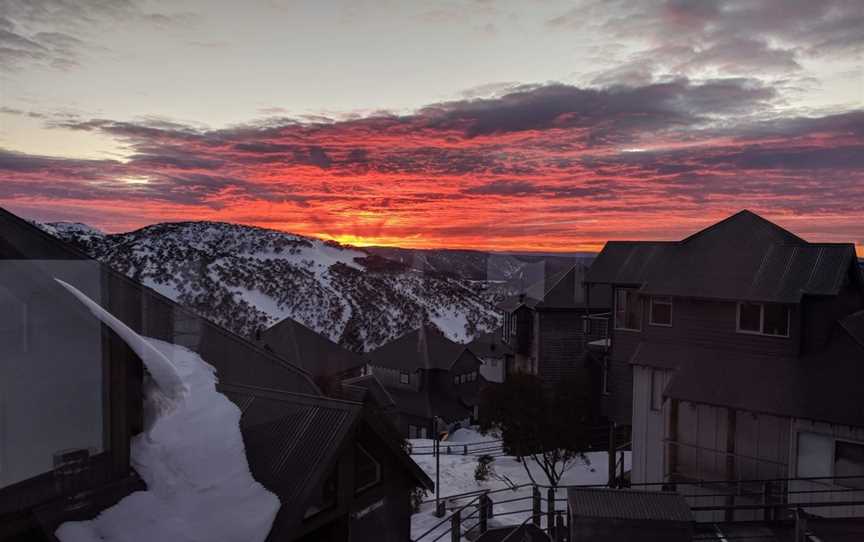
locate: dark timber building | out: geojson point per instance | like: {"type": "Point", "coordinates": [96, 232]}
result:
{"type": "Point", "coordinates": [740, 352]}
{"type": "Point", "coordinates": [552, 326]}
{"type": "Point", "coordinates": [428, 376]}
{"type": "Point", "coordinates": [71, 399]}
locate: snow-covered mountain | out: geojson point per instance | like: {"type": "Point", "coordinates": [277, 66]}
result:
{"type": "Point", "coordinates": [248, 278]}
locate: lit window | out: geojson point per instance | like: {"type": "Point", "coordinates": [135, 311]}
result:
{"type": "Point", "coordinates": [763, 318]}
{"type": "Point", "coordinates": [404, 378]}
{"type": "Point", "coordinates": [661, 311]}
{"type": "Point", "coordinates": [628, 310]}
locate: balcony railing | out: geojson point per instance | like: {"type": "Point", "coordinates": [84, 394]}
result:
{"type": "Point", "coordinates": [596, 329]}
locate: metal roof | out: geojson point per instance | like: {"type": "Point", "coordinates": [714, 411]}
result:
{"type": "Point", "coordinates": [291, 439]}
{"type": "Point", "coordinates": [628, 505]}
{"type": "Point", "coordinates": [742, 257]}
{"type": "Point", "coordinates": [424, 348]}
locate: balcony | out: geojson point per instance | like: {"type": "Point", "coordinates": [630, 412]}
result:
{"type": "Point", "coordinates": [596, 328]}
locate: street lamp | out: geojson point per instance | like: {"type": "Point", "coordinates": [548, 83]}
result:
{"type": "Point", "coordinates": [438, 422]}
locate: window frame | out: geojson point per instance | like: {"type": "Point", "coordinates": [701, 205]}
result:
{"type": "Point", "coordinates": [615, 311]}
{"type": "Point", "coordinates": [761, 331]}
{"type": "Point", "coordinates": [378, 470]}
{"type": "Point", "coordinates": [651, 304]}
{"type": "Point", "coordinates": [832, 458]}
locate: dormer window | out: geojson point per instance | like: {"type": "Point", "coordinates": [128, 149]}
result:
{"type": "Point", "coordinates": [763, 319]}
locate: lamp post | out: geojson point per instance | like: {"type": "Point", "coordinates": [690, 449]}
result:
{"type": "Point", "coordinates": [437, 422]}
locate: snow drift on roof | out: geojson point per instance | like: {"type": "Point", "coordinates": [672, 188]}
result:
{"type": "Point", "coordinates": [192, 459]}
{"type": "Point", "coordinates": [163, 372]}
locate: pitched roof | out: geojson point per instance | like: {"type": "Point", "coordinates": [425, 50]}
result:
{"type": "Point", "coordinates": [424, 348]}
{"type": "Point", "coordinates": [316, 354]}
{"type": "Point", "coordinates": [369, 384]}
{"type": "Point", "coordinates": [628, 505]}
{"type": "Point", "coordinates": [741, 257]}
{"type": "Point", "coordinates": [293, 440]}
{"type": "Point", "coordinates": [490, 345]}
{"type": "Point", "coordinates": [562, 290]}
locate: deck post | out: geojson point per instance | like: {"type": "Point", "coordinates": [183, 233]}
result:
{"type": "Point", "coordinates": [611, 455]}
{"type": "Point", "coordinates": [455, 527]}
{"type": "Point", "coordinates": [536, 508]}
{"type": "Point", "coordinates": [559, 527]}
{"type": "Point", "coordinates": [484, 512]}
{"type": "Point", "coordinates": [800, 525]}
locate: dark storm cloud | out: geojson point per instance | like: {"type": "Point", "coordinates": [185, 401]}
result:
{"type": "Point", "coordinates": [610, 112]}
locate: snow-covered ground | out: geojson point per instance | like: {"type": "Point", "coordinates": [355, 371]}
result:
{"type": "Point", "coordinates": [457, 477]}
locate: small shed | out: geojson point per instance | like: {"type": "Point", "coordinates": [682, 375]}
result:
{"type": "Point", "coordinates": [601, 515]}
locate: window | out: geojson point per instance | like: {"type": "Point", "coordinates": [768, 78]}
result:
{"type": "Point", "coordinates": [628, 310]}
{"type": "Point", "coordinates": [404, 378]}
{"type": "Point", "coordinates": [513, 320]}
{"type": "Point", "coordinates": [775, 319]}
{"type": "Point", "coordinates": [412, 431]}
{"type": "Point", "coordinates": [821, 456]}
{"type": "Point", "coordinates": [764, 319]}
{"type": "Point", "coordinates": [656, 390]}
{"type": "Point", "coordinates": [849, 461]}
{"type": "Point", "coordinates": [456, 379]}
{"type": "Point", "coordinates": [661, 311]}
{"type": "Point", "coordinates": [367, 469]}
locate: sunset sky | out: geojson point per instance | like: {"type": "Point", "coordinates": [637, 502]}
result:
{"type": "Point", "coordinates": [524, 125]}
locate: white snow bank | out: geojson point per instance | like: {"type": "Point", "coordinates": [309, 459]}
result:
{"type": "Point", "coordinates": [192, 459]}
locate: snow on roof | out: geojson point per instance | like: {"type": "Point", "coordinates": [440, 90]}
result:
{"type": "Point", "coordinates": [192, 458]}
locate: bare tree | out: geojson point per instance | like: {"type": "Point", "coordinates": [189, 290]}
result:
{"type": "Point", "coordinates": [549, 426]}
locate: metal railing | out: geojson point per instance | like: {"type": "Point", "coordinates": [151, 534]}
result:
{"type": "Point", "coordinates": [743, 501]}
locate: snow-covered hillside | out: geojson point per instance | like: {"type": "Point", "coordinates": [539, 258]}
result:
{"type": "Point", "coordinates": [248, 278]}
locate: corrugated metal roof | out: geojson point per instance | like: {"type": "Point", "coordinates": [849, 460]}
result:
{"type": "Point", "coordinates": [291, 439]}
{"type": "Point", "coordinates": [743, 257]}
{"type": "Point", "coordinates": [628, 505]}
